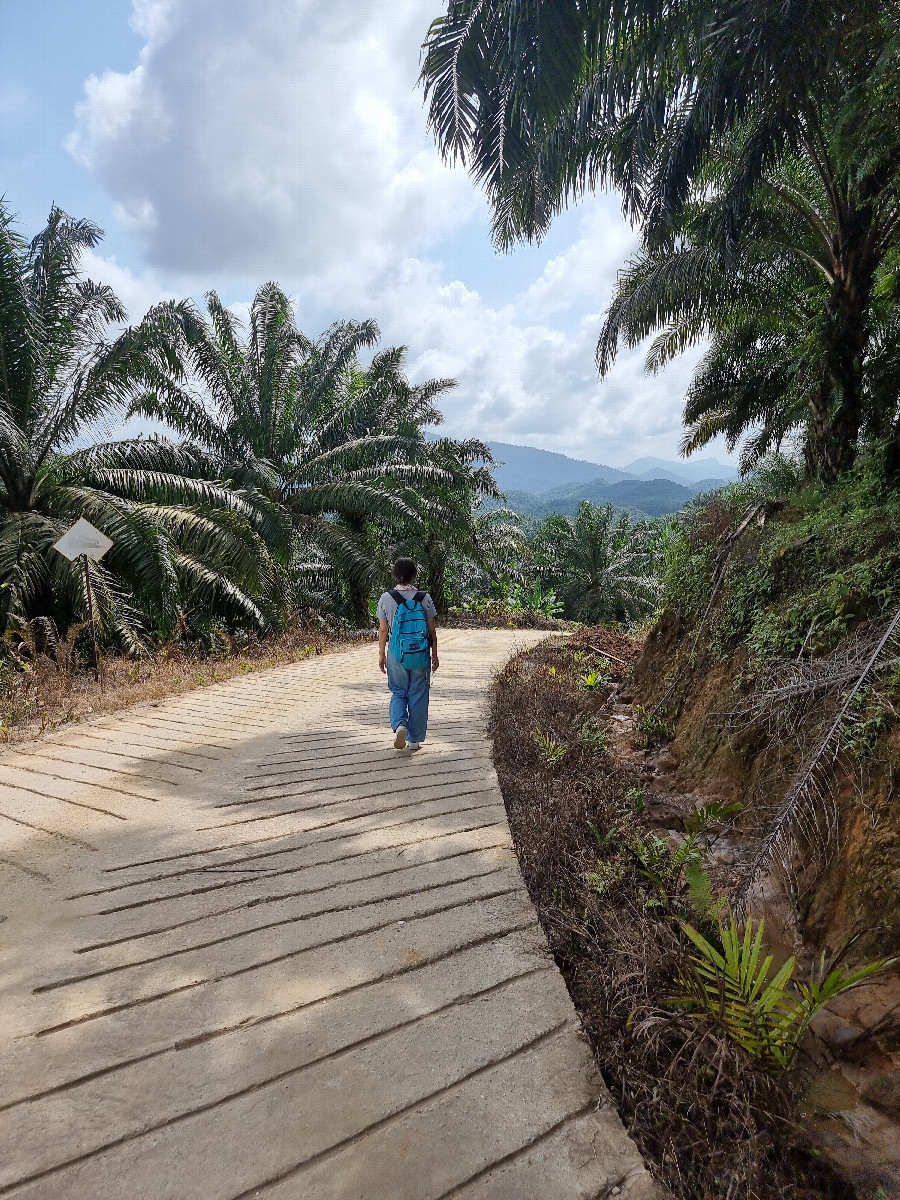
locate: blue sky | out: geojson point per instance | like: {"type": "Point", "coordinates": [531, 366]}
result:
{"type": "Point", "coordinates": [221, 143]}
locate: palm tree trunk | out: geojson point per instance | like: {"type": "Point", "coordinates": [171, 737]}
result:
{"type": "Point", "coordinates": [437, 577]}
{"type": "Point", "coordinates": [838, 412]}
{"type": "Point", "coordinates": [358, 588]}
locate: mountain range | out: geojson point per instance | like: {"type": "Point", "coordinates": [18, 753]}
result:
{"type": "Point", "coordinates": [538, 482]}
{"type": "Point", "coordinates": [526, 469]}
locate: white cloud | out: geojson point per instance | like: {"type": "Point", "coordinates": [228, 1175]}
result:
{"type": "Point", "coordinates": [137, 292]}
{"type": "Point", "coordinates": [264, 139]}
{"type": "Point", "coordinates": [533, 381]}
{"type": "Point", "coordinates": [288, 141]}
{"type": "Point", "coordinates": [525, 381]}
{"type": "Point", "coordinates": [586, 273]}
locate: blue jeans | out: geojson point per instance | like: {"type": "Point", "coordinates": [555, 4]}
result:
{"type": "Point", "coordinates": [409, 698]}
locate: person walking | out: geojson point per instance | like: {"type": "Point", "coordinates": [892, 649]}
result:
{"type": "Point", "coordinates": [407, 654]}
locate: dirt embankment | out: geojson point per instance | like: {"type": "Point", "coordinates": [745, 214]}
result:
{"type": "Point", "coordinates": [713, 756]}
{"type": "Point", "coordinates": [588, 796]}
{"type": "Point", "coordinates": [855, 1105]}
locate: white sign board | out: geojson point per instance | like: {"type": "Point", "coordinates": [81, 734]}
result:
{"type": "Point", "coordinates": [83, 538]}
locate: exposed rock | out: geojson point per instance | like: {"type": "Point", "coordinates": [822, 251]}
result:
{"type": "Point", "coordinates": [833, 1030]}
{"type": "Point", "coordinates": [882, 1088]}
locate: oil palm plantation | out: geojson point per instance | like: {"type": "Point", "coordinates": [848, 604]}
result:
{"type": "Point", "coordinates": [770, 370]}
{"type": "Point", "coordinates": [185, 548]}
{"type": "Point", "coordinates": [599, 564]}
{"type": "Point", "coordinates": [443, 480]}
{"type": "Point", "coordinates": [299, 423]}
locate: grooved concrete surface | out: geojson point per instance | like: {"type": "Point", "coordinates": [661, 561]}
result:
{"type": "Point", "coordinates": [249, 950]}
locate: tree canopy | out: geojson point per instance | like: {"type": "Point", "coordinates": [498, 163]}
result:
{"type": "Point", "coordinates": [748, 110]}
{"type": "Point", "coordinates": [183, 541]}
{"type": "Point", "coordinates": [287, 473]}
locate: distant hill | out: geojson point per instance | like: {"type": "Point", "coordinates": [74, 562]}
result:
{"type": "Point", "coordinates": [689, 470]}
{"type": "Point", "coordinates": [652, 496]}
{"type": "Point", "coordinates": [539, 482]}
{"type": "Point", "coordinates": [526, 469]}
{"type": "Point", "coordinates": [709, 485]}
{"type": "Point", "coordinates": [640, 497]}
{"type": "Point", "coordinates": [661, 473]}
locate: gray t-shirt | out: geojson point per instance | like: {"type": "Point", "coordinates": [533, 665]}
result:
{"type": "Point", "coordinates": [387, 605]}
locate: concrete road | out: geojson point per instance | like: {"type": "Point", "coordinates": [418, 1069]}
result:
{"type": "Point", "coordinates": [250, 950]}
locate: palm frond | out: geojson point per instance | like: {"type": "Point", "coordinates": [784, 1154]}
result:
{"type": "Point", "coordinates": [807, 818]}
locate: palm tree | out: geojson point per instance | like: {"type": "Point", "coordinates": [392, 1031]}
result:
{"type": "Point", "coordinates": [381, 398]}
{"type": "Point", "coordinates": [599, 564]}
{"type": "Point", "coordinates": [546, 101]}
{"type": "Point", "coordinates": [765, 308]}
{"type": "Point", "coordinates": [183, 546]}
{"type": "Point", "coordinates": [456, 532]}
{"type": "Point", "coordinates": [301, 424]}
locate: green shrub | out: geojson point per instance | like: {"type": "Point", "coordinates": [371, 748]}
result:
{"type": "Point", "coordinates": [593, 681]}
{"type": "Point", "coordinates": [550, 751]}
{"type": "Point", "coordinates": [731, 987]}
{"type": "Point", "coordinates": [652, 728]}
{"type": "Point", "coordinates": [533, 599]}
{"type": "Point", "coordinates": [822, 562]}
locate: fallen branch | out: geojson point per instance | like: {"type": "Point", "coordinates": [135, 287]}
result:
{"type": "Point", "coordinates": [809, 806]}
{"type": "Point", "coordinates": [607, 654]}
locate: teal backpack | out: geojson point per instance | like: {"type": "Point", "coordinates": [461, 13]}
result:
{"type": "Point", "coordinates": [409, 633]}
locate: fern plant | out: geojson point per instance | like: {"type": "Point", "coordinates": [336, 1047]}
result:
{"type": "Point", "coordinates": [668, 867]}
{"type": "Point", "coordinates": [767, 1016]}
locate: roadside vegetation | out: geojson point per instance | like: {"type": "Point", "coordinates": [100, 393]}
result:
{"type": "Point", "coordinates": [702, 1040]}
{"type": "Point", "coordinates": [41, 688]}
{"type": "Point", "coordinates": [787, 594]}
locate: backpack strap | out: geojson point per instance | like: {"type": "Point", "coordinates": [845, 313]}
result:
{"type": "Point", "coordinates": [398, 598]}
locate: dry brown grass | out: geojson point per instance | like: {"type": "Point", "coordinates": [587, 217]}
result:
{"type": "Point", "coordinates": [495, 616]}
{"type": "Point", "coordinates": [39, 697]}
{"type": "Point", "coordinates": [710, 1123]}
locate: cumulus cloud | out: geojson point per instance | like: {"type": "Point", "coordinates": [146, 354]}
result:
{"type": "Point", "coordinates": [272, 139]}
{"type": "Point", "coordinates": [526, 368]}
{"type": "Point", "coordinates": [137, 292]}
{"type": "Point", "coordinates": [522, 377]}
{"type": "Point", "coordinates": [255, 141]}
{"type": "Point", "coordinates": [534, 384]}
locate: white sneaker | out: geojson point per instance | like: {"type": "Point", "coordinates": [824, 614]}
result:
{"type": "Point", "coordinates": [414, 745]}
{"type": "Point", "coordinates": [400, 738]}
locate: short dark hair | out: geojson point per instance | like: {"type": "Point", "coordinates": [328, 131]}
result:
{"type": "Point", "coordinates": [405, 570]}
